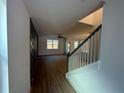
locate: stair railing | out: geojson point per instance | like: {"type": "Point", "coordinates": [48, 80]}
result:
{"type": "Point", "coordinates": [87, 52]}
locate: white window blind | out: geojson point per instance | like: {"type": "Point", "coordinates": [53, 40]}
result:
{"type": "Point", "coordinates": [52, 44]}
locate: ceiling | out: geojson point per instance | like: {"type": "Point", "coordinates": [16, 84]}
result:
{"type": "Point", "coordinates": [78, 31]}
{"type": "Point", "coordinates": [58, 16]}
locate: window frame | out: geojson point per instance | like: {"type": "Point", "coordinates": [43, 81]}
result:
{"type": "Point", "coordinates": [76, 45]}
{"type": "Point", "coordinates": [54, 44]}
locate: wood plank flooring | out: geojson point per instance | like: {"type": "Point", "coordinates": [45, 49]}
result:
{"type": "Point", "coordinates": [50, 75]}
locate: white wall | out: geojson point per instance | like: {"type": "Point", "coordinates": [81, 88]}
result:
{"type": "Point", "coordinates": [18, 43]}
{"type": "Point", "coordinates": [42, 48]}
{"type": "Point", "coordinates": [112, 50]}
{"type": "Point", "coordinates": [4, 84]}
{"type": "Point", "coordinates": [109, 76]}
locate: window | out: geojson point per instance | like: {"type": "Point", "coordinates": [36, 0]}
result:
{"type": "Point", "coordinates": [76, 44]}
{"type": "Point", "coordinates": [68, 47]}
{"type": "Point", "coordinates": [52, 44]}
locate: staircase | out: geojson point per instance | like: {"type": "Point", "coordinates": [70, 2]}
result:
{"type": "Point", "coordinates": [87, 52]}
{"type": "Point", "coordinates": [83, 63]}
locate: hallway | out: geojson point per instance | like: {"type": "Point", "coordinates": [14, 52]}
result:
{"type": "Point", "coordinates": [50, 75]}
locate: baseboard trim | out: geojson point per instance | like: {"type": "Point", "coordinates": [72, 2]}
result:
{"type": "Point", "coordinates": [51, 55]}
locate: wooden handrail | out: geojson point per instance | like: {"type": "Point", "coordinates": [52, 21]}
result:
{"type": "Point", "coordinates": [96, 30]}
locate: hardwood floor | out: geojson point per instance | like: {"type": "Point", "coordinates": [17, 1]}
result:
{"type": "Point", "coordinates": [50, 75]}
